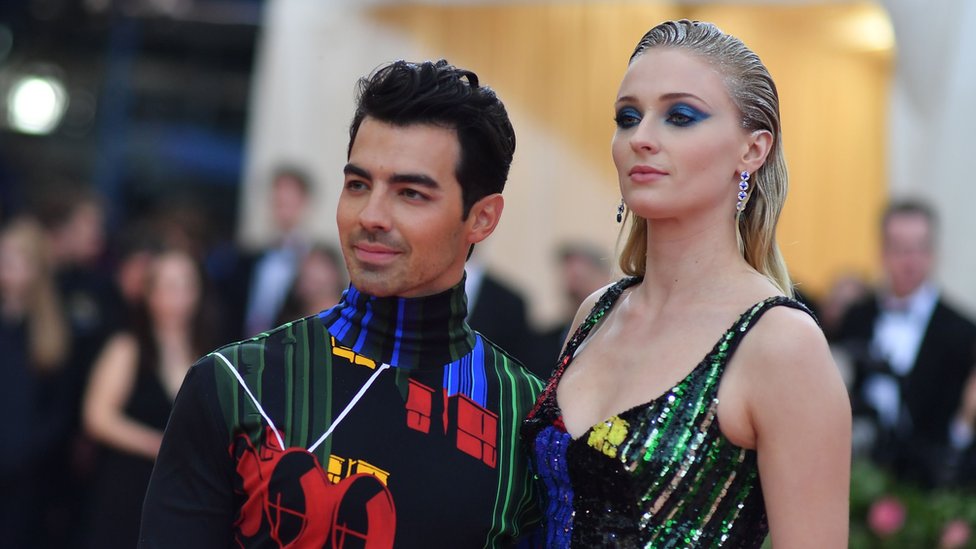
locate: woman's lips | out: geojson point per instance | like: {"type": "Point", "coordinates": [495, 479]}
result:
{"type": "Point", "coordinates": [646, 174]}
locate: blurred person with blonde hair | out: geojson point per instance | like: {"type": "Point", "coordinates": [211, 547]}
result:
{"type": "Point", "coordinates": [34, 342]}
{"type": "Point", "coordinates": [696, 403]}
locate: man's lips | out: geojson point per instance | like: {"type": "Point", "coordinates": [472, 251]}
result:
{"type": "Point", "coordinates": [374, 253]}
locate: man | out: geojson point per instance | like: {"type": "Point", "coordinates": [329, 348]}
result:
{"type": "Point", "coordinates": [276, 267]}
{"type": "Point", "coordinates": [583, 269]}
{"type": "Point", "coordinates": [913, 351]}
{"type": "Point", "coordinates": [384, 420]}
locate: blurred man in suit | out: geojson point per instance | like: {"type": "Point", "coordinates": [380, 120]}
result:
{"type": "Point", "coordinates": [913, 352]}
{"type": "Point", "coordinates": [498, 311]}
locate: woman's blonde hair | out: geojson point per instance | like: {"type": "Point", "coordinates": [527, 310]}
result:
{"type": "Point", "coordinates": [754, 93]}
{"type": "Point", "coordinates": [47, 328]}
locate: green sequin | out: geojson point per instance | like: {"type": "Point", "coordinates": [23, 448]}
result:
{"type": "Point", "coordinates": [667, 476]}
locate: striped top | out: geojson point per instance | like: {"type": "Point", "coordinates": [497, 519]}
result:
{"type": "Point", "coordinates": [659, 475]}
{"type": "Point", "coordinates": [385, 420]}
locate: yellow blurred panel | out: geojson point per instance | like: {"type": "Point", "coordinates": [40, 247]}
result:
{"type": "Point", "coordinates": [561, 63]}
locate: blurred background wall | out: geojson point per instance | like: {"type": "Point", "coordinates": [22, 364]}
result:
{"type": "Point", "coordinates": [557, 65]}
{"type": "Point", "coordinates": [197, 101]}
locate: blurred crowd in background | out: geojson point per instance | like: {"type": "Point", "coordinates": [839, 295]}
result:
{"type": "Point", "coordinates": [119, 267]}
{"type": "Point", "coordinates": [98, 328]}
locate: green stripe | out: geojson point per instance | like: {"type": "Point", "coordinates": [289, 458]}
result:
{"type": "Point", "coordinates": [321, 389]}
{"type": "Point", "coordinates": [507, 402]}
{"type": "Point", "coordinates": [293, 438]}
{"type": "Point", "coordinates": [301, 348]}
{"type": "Point", "coordinates": [496, 512]}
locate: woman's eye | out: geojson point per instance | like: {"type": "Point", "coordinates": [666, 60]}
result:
{"type": "Point", "coordinates": [684, 115]}
{"type": "Point", "coordinates": [679, 119]}
{"type": "Point", "coordinates": [627, 118]}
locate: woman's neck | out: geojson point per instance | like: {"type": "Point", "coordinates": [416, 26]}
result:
{"type": "Point", "coordinates": [172, 333]}
{"type": "Point", "coordinates": [13, 307]}
{"type": "Point", "coordinates": [690, 260]}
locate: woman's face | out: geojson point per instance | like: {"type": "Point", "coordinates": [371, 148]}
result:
{"type": "Point", "coordinates": [679, 143]}
{"type": "Point", "coordinates": [318, 276]}
{"type": "Point", "coordinates": [174, 288]}
{"type": "Point", "coordinates": [17, 266]}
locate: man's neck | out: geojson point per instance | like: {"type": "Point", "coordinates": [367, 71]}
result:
{"type": "Point", "coordinates": [418, 332]}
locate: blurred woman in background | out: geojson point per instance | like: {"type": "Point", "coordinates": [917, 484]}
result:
{"type": "Point", "coordinates": [131, 391]}
{"type": "Point", "coordinates": [34, 344]}
{"type": "Point", "coordinates": [318, 285]}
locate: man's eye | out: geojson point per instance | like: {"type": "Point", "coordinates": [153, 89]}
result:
{"type": "Point", "coordinates": [412, 194]}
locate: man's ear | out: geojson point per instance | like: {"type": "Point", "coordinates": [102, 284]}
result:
{"type": "Point", "coordinates": [758, 146]}
{"type": "Point", "coordinates": [484, 216]}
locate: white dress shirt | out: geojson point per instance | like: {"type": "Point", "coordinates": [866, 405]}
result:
{"type": "Point", "coordinates": [898, 333]}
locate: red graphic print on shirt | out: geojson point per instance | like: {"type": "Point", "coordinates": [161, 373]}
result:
{"type": "Point", "coordinates": [289, 501]}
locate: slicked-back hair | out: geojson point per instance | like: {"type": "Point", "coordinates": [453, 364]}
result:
{"type": "Point", "coordinates": [438, 93]}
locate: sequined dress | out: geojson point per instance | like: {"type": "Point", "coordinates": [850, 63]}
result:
{"type": "Point", "coordinates": [658, 475]}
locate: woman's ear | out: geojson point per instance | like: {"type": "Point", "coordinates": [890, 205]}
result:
{"type": "Point", "coordinates": [758, 146]}
{"type": "Point", "coordinates": [484, 217]}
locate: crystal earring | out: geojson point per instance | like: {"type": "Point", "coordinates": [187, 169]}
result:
{"type": "Point", "coordinates": [743, 195]}
{"type": "Point", "coordinates": [620, 211]}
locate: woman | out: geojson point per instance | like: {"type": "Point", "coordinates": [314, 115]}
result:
{"type": "Point", "coordinates": [34, 341]}
{"type": "Point", "coordinates": [639, 441]}
{"type": "Point", "coordinates": [131, 390]}
{"type": "Point", "coordinates": [317, 286]}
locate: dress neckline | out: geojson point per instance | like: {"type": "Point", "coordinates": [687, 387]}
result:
{"type": "Point", "coordinates": [596, 315]}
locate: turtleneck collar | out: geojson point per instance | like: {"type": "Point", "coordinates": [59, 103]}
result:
{"type": "Point", "coordinates": [416, 332]}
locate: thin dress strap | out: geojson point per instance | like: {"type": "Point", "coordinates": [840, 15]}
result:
{"type": "Point", "coordinates": [730, 341]}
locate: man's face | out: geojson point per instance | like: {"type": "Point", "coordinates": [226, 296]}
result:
{"type": "Point", "coordinates": [287, 203]}
{"type": "Point", "coordinates": [908, 255]}
{"type": "Point", "coordinates": [399, 214]}
{"type": "Point", "coordinates": [581, 277]}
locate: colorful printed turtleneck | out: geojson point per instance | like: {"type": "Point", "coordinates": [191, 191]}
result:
{"type": "Point", "coordinates": [403, 332]}
{"type": "Point", "coordinates": [385, 420]}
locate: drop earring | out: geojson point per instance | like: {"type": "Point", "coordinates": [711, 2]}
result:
{"type": "Point", "coordinates": [743, 195]}
{"type": "Point", "coordinates": [620, 211]}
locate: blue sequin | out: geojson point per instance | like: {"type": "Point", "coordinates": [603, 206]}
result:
{"type": "Point", "coordinates": [659, 475]}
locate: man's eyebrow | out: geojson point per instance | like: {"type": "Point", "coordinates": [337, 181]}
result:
{"type": "Point", "coordinates": [401, 178]}
{"type": "Point", "coordinates": [352, 169]}
{"type": "Point", "coordinates": [415, 179]}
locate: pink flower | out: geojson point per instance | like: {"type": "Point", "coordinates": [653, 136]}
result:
{"type": "Point", "coordinates": [955, 534]}
{"type": "Point", "coordinates": [886, 516]}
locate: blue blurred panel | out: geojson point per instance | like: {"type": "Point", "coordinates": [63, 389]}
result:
{"type": "Point", "coordinates": [187, 150]}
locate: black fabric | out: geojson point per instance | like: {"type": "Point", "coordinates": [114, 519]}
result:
{"type": "Point", "coordinates": [121, 478]}
{"type": "Point", "coordinates": [499, 313]}
{"type": "Point", "coordinates": [191, 503]}
{"type": "Point", "coordinates": [931, 391]}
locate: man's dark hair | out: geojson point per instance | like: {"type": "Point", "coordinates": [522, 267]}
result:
{"type": "Point", "coordinates": [294, 173]}
{"type": "Point", "coordinates": [438, 93]}
{"type": "Point", "coordinates": [909, 207]}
